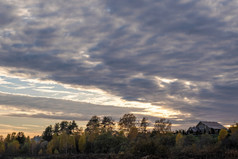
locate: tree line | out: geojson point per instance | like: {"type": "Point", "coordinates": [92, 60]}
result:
{"type": "Point", "coordinates": [126, 137]}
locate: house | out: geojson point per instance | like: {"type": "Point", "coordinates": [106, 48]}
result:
{"type": "Point", "coordinates": [209, 127]}
{"type": "Point", "coordinates": [206, 127]}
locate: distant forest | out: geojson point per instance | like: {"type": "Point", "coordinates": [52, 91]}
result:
{"type": "Point", "coordinates": [104, 138]}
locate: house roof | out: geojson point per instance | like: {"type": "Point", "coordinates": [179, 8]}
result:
{"type": "Point", "coordinates": [211, 124]}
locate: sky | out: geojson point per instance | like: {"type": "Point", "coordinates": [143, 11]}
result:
{"type": "Point", "coordinates": [70, 60]}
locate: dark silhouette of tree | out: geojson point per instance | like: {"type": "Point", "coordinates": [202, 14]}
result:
{"type": "Point", "coordinates": [72, 127]}
{"type": "Point", "coordinates": [144, 124]}
{"type": "Point", "coordinates": [64, 126]}
{"type": "Point", "coordinates": [48, 133]}
{"type": "Point", "coordinates": [93, 125]}
{"type": "Point", "coordinates": [21, 138]}
{"type": "Point", "coordinates": [107, 124]}
{"type": "Point", "coordinates": [57, 128]}
{"type": "Point", "coordinates": [127, 122]}
{"type": "Point", "coordinates": [162, 126]}
{"type": "Point", "coordinates": [133, 133]}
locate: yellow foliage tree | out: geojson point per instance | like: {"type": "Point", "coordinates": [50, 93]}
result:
{"type": "Point", "coordinates": [49, 149]}
{"type": "Point", "coordinates": [13, 147]}
{"type": "Point", "coordinates": [54, 142]}
{"type": "Point", "coordinates": [2, 148]}
{"type": "Point", "coordinates": [179, 140]}
{"type": "Point", "coordinates": [82, 143]}
{"type": "Point", "coordinates": [133, 133]}
{"type": "Point", "coordinates": [71, 144]}
{"type": "Point", "coordinates": [63, 144]}
{"type": "Point", "coordinates": [222, 134]}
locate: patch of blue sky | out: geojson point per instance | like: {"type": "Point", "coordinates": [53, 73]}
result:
{"type": "Point", "coordinates": [20, 86]}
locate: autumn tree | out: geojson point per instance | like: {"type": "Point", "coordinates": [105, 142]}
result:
{"type": "Point", "coordinates": [132, 133]}
{"type": "Point", "coordinates": [49, 149]}
{"type": "Point", "coordinates": [7, 139]}
{"type": "Point", "coordinates": [33, 147]}
{"type": "Point", "coordinates": [64, 142]}
{"type": "Point", "coordinates": [53, 145]}
{"type": "Point", "coordinates": [82, 143]}
{"type": "Point", "coordinates": [2, 148]}
{"type": "Point", "coordinates": [13, 147]}
{"type": "Point", "coordinates": [71, 144]}
{"type": "Point", "coordinates": [10, 137]}
{"type": "Point", "coordinates": [222, 134]}
{"type": "Point", "coordinates": [2, 145]}
{"type": "Point", "coordinates": [179, 140]}
{"type": "Point", "coordinates": [162, 126]}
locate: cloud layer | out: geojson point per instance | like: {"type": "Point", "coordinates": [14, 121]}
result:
{"type": "Point", "coordinates": [180, 55]}
{"type": "Point", "coordinates": [25, 106]}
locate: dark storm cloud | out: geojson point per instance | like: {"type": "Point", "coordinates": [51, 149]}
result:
{"type": "Point", "coordinates": [130, 48]}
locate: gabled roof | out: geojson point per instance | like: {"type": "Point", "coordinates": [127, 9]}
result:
{"type": "Point", "coordinates": [211, 124]}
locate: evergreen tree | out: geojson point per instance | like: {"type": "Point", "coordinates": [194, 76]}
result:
{"type": "Point", "coordinates": [72, 127]}
{"type": "Point", "coordinates": [57, 129]}
{"type": "Point", "coordinates": [21, 138]}
{"type": "Point", "coordinates": [48, 133]}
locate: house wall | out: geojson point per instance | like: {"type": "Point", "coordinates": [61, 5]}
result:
{"type": "Point", "coordinates": [203, 127]}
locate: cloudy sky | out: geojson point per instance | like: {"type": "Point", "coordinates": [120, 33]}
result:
{"type": "Point", "coordinates": [69, 60]}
